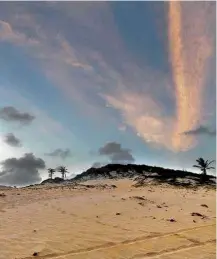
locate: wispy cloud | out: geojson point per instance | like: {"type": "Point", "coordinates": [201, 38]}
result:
{"type": "Point", "coordinates": [59, 152]}
{"type": "Point", "coordinates": [92, 67]}
{"type": "Point", "coordinates": [144, 116]}
{"type": "Point", "coordinates": [7, 34]}
{"type": "Point", "coordinates": [69, 64]}
{"type": "Point", "coordinates": [191, 45]}
{"type": "Point", "coordinates": [201, 130]}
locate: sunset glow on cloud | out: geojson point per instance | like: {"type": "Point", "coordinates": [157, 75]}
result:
{"type": "Point", "coordinates": [138, 74]}
{"type": "Point", "coordinates": [191, 46]}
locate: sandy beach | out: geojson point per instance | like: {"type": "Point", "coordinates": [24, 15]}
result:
{"type": "Point", "coordinates": [110, 223]}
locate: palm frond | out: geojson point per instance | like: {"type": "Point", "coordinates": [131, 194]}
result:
{"type": "Point", "coordinates": [210, 162]}
{"type": "Point", "coordinates": [61, 168]}
{"type": "Point", "coordinates": [51, 170]}
{"type": "Point", "coordinates": [211, 167]}
{"type": "Point", "coordinates": [200, 159]}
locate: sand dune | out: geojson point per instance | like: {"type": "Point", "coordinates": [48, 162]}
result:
{"type": "Point", "coordinates": [124, 222]}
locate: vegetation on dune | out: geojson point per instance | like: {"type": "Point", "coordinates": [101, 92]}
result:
{"type": "Point", "coordinates": [63, 170]}
{"type": "Point", "coordinates": [143, 173]}
{"type": "Point", "coordinates": [204, 165]}
{"type": "Point", "coordinates": [51, 172]}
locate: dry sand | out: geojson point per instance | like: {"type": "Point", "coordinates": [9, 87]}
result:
{"type": "Point", "coordinates": [124, 222]}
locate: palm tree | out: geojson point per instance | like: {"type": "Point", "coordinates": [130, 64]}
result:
{"type": "Point", "coordinates": [204, 165]}
{"type": "Point", "coordinates": [63, 171]}
{"type": "Point", "coordinates": [51, 172]}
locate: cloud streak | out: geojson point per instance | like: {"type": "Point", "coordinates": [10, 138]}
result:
{"type": "Point", "coordinates": [9, 35]}
{"type": "Point", "coordinates": [102, 72]}
{"type": "Point", "coordinates": [201, 130]}
{"type": "Point", "coordinates": [60, 153]}
{"type": "Point", "coordinates": [190, 45]}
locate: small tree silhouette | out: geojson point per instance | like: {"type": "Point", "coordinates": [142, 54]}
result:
{"type": "Point", "coordinates": [51, 172]}
{"type": "Point", "coordinates": [204, 165]}
{"type": "Point", "coordinates": [63, 171]}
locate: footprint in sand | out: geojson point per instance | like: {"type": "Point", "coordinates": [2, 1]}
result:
{"type": "Point", "coordinates": [60, 210]}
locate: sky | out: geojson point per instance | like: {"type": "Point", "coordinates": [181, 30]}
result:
{"type": "Point", "coordinates": [90, 83]}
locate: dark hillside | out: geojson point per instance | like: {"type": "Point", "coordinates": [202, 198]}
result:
{"type": "Point", "coordinates": [159, 174]}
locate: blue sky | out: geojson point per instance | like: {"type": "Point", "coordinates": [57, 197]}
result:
{"type": "Point", "coordinates": [140, 74]}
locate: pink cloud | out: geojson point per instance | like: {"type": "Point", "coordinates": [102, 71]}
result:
{"type": "Point", "coordinates": [91, 73]}
{"type": "Point", "coordinates": [143, 115]}
{"type": "Point", "coordinates": [8, 34]}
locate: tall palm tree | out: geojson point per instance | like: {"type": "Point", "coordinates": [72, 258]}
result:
{"type": "Point", "coordinates": [51, 172]}
{"type": "Point", "coordinates": [204, 165]}
{"type": "Point", "coordinates": [63, 171]}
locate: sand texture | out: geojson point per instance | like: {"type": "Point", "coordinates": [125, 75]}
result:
{"type": "Point", "coordinates": [107, 223]}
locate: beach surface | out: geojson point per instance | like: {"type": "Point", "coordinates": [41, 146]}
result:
{"type": "Point", "coordinates": [108, 223]}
